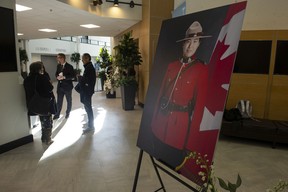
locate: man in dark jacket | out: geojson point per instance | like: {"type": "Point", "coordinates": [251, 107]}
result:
{"type": "Point", "coordinates": [65, 75]}
{"type": "Point", "coordinates": [87, 84]}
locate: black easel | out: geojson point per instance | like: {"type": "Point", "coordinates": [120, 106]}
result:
{"type": "Point", "coordinates": [156, 166]}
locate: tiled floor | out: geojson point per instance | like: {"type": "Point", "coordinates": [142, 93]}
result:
{"type": "Point", "coordinates": [106, 160]}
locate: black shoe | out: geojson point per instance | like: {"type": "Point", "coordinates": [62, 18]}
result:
{"type": "Point", "coordinates": [49, 142]}
{"type": "Point", "coordinates": [55, 117]}
{"type": "Point", "coordinates": [88, 130]}
{"type": "Point", "coordinates": [66, 116]}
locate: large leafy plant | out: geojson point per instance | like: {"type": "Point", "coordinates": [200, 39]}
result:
{"type": "Point", "coordinates": [106, 71]}
{"type": "Point", "coordinates": [23, 56]}
{"type": "Point", "coordinates": [75, 57]}
{"type": "Point", "coordinates": [104, 58]}
{"type": "Point", "coordinates": [23, 60]}
{"type": "Point", "coordinates": [127, 55]}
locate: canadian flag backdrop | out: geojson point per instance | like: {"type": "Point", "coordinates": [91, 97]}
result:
{"type": "Point", "coordinates": [219, 53]}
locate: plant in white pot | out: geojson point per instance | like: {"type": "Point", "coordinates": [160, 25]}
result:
{"type": "Point", "coordinates": [105, 61]}
{"type": "Point", "coordinates": [23, 62]}
{"type": "Point", "coordinates": [127, 55]}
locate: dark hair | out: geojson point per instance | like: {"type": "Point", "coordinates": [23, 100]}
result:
{"type": "Point", "coordinates": [36, 67]}
{"type": "Point", "coordinates": [87, 55]}
{"type": "Point", "coordinates": [62, 55]}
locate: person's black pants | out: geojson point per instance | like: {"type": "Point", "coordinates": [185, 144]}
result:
{"type": "Point", "coordinates": [46, 125]}
{"type": "Point", "coordinates": [60, 95]}
{"type": "Point", "coordinates": [87, 101]}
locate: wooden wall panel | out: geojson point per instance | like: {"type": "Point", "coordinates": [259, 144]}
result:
{"type": "Point", "coordinates": [282, 34]}
{"type": "Point", "coordinates": [248, 87]}
{"type": "Point", "coordinates": [278, 105]}
{"type": "Point", "coordinates": [257, 35]}
{"type": "Point", "coordinates": [268, 93]}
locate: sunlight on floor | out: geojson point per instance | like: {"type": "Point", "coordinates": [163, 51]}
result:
{"type": "Point", "coordinates": [72, 130]}
{"type": "Point", "coordinates": [99, 120]}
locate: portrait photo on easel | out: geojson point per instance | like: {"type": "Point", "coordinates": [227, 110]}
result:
{"type": "Point", "coordinates": [188, 87]}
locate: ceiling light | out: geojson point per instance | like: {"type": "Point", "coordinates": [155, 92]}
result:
{"type": "Point", "coordinates": [19, 34]}
{"type": "Point", "coordinates": [116, 3]}
{"type": "Point", "coordinates": [132, 4]}
{"type": "Point", "coordinates": [95, 2]}
{"type": "Point", "coordinates": [22, 8]}
{"type": "Point", "coordinates": [47, 30]}
{"type": "Point", "coordinates": [89, 26]}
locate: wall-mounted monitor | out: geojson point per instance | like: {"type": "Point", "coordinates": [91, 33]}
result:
{"type": "Point", "coordinates": [281, 60]}
{"type": "Point", "coordinates": [253, 57]}
{"type": "Point", "coordinates": [8, 58]}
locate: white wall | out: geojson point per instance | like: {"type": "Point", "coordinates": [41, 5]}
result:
{"type": "Point", "coordinates": [13, 118]}
{"type": "Point", "coordinates": [50, 46]}
{"type": "Point", "coordinates": [260, 14]}
{"type": "Point", "coordinates": [37, 47]}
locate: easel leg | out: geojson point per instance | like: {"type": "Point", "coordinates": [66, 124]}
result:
{"type": "Point", "coordinates": [158, 175]}
{"type": "Point", "coordinates": [137, 170]}
{"type": "Point", "coordinates": [156, 166]}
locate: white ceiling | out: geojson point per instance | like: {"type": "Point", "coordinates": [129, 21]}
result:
{"type": "Point", "coordinates": [66, 20]}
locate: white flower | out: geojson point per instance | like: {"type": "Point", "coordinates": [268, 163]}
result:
{"type": "Point", "coordinates": [111, 78]}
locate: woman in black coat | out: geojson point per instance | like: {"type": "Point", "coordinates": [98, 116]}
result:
{"type": "Point", "coordinates": [39, 82]}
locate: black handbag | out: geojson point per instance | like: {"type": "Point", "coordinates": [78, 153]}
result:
{"type": "Point", "coordinates": [53, 106]}
{"type": "Point", "coordinates": [77, 88]}
{"type": "Point", "coordinates": [39, 105]}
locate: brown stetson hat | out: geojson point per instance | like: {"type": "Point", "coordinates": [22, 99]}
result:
{"type": "Point", "coordinates": [194, 31]}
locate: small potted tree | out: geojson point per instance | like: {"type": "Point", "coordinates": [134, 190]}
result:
{"type": "Point", "coordinates": [109, 84]}
{"type": "Point", "coordinates": [75, 57]}
{"type": "Point", "coordinates": [105, 61]}
{"type": "Point", "coordinates": [23, 62]}
{"type": "Point", "coordinates": [127, 55]}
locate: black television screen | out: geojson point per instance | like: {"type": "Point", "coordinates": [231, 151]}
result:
{"type": "Point", "coordinates": [281, 61]}
{"type": "Point", "coordinates": [8, 59]}
{"type": "Point", "coordinates": [253, 57]}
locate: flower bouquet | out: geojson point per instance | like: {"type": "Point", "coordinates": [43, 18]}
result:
{"type": "Point", "coordinates": [110, 82]}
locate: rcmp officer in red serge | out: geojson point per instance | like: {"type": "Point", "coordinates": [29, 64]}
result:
{"type": "Point", "coordinates": [65, 75]}
{"type": "Point", "coordinates": [181, 101]}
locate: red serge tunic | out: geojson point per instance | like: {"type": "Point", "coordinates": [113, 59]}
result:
{"type": "Point", "coordinates": [177, 112]}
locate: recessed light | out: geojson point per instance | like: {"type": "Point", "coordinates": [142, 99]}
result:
{"type": "Point", "coordinates": [90, 26]}
{"type": "Point", "coordinates": [22, 8]}
{"type": "Point", "coordinates": [47, 30]}
{"type": "Point", "coordinates": [19, 34]}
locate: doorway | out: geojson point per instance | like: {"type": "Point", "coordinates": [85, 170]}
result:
{"type": "Point", "coordinates": [50, 64]}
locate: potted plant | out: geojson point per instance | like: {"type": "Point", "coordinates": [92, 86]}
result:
{"type": "Point", "coordinates": [105, 61]}
{"type": "Point", "coordinates": [127, 55]}
{"type": "Point", "coordinates": [23, 62]}
{"type": "Point", "coordinates": [75, 57]}
{"type": "Point", "coordinates": [112, 76]}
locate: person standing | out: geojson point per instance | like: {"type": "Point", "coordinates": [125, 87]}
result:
{"type": "Point", "coordinates": [65, 75]}
{"type": "Point", "coordinates": [87, 84]}
{"type": "Point", "coordinates": [37, 81]}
